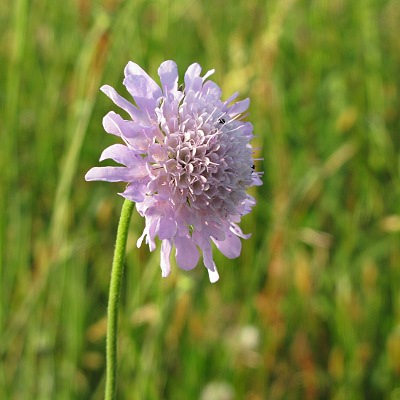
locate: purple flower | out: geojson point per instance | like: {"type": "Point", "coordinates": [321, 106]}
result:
{"type": "Point", "coordinates": [188, 163]}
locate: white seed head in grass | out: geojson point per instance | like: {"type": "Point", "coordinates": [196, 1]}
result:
{"type": "Point", "coordinates": [187, 161]}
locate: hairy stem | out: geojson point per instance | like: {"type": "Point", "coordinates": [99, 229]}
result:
{"type": "Point", "coordinates": [113, 299]}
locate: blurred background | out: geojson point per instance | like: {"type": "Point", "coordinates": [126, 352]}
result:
{"type": "Point", "coordinates": [310, 310]}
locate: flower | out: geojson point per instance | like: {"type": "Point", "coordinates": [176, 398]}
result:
{"type": "Point", "coordinates": [188, 163]}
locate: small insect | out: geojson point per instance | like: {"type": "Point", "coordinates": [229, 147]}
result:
{"type": "Point", "coordinates": [253, 167]}
{"type": "Point", "coordinates": [221, 120]}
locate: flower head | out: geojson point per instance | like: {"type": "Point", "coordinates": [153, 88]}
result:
{"type": "Point", "coordinates": [188, 163]}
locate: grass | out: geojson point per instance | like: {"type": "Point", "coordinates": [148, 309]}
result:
{"type": "Point", "coordinates": [311, 309]}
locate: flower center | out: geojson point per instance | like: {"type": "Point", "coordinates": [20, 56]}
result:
{"type": "Point", "coordinates": [203, 160]}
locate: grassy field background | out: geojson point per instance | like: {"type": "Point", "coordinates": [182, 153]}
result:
{"type": "Point", "coordinates": [310, 310]}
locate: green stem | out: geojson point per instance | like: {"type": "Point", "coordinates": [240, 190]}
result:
{"type": "Point", "coordinates": [113, 299]}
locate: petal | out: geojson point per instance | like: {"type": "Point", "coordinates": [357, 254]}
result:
{"type": "Point", "coordinates": [122, 155]}
{"type": "Point", "coordinates": [230, 247]}
{"type": "Point", "coordinates": [133, 134]}
{"type": "Point", "coordinates": [247, 205]}
{"type": "Point", "coordinates": [111, 174]}
{"type": "Point", "coordinates": [214, 230]}
{"type": "Point", "coordinates": [186, 253]}
{"type": "Point", "coordinates": [231, 98]}
{"type": "Point", "coordinates": [208, 74]}
{"type": "Point", "coordinates": [167, 228]}
{"type": "Point", "coordinates": [208, 258]}
{"type": "Point", "coordinates": [211, 87]}
{"type": "Point", "coordinates": [140, 240]}
{"type": "Point", "coordinates": [256, 179]}
{"type": "Point", "coordinates": [157, 153]}
{"type": "Point", "coordinates": [213, 275]}
{"type": "Point", "coordinates": [245, 129]}
{"type": "Point", "coordinates": [168, 72]}
{"type": "Point", "coordinates": [192, 78]}
{"type": "Point", "coordinates": [160, 185]}
{"type": "Point", "coordinates": [152, 231]}
{"type": "Point", "coordinates": [165, 263]}
{"type": "Point", "coordinates": [203, 241]}
{"type": "Point", "coordinates": [142, 87]}
{"type": "Point", "coordinates": [136, 139]}
{"type": "Point", "coordinates": [111, 123]}
{"type": "Point", "coordinates": [239, 107]}
{"type": "Point", "coordinates": [193, 71]}
{"type": "Point", "coordinates": [238, 232]}
{"type": "Point", "coordinates": [135, 191]}
{"type": "Point", "coordinates": [121, 102]}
